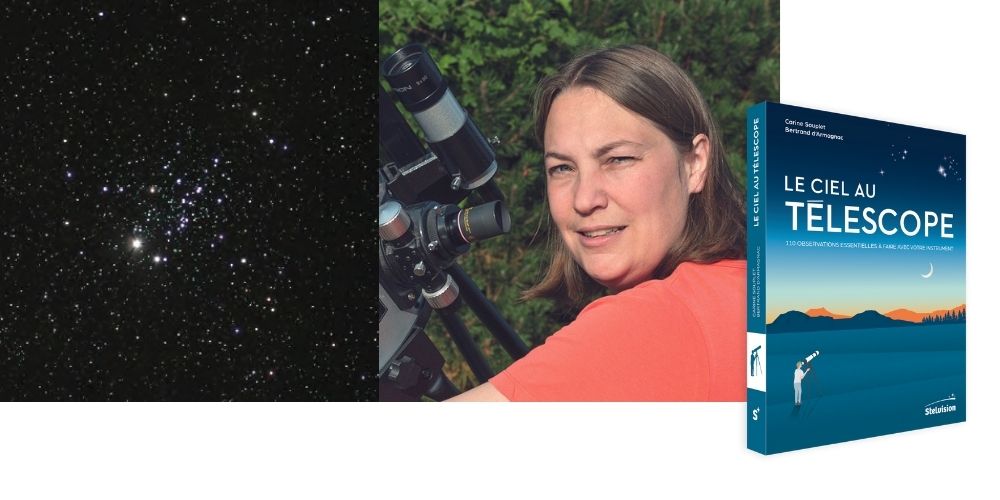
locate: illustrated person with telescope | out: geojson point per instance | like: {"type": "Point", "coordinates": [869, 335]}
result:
{"type": "Point", "coordinates": [797, 382]}
{"type": "Point", "coordinates": [644, 208]}
{"type": "Point", "coordinates": [801, 374]}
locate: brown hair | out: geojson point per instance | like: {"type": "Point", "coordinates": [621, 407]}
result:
{"type": "Point", "coordinates": [648, 83]}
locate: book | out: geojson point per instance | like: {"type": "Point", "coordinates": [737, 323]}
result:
{"type": "Point", "coordinates": [855, 278]}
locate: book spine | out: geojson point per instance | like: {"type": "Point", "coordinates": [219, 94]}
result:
{"type": "Point", "coordinates": [756, 203]}
{"type": "Point", "coordinates": [756, 239]}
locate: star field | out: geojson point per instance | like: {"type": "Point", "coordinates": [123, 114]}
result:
{"type": "Point", "coordinates": [185, 201]}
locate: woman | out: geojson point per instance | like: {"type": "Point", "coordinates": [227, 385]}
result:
{"type": "Point", "coordinates": [644, 208]}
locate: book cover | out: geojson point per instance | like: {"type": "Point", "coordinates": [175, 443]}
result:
{"type": "Point", "coordinates": [855, 278]}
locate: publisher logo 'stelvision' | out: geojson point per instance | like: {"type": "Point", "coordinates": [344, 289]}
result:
{"type": "Point", "coordinates": [946, 405]}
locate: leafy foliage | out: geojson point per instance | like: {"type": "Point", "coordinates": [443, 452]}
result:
{"type": "Point", "coordinates": [493, 54]}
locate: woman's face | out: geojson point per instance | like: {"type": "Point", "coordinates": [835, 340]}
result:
{"type": "Point", "coordinates": [617, 187]}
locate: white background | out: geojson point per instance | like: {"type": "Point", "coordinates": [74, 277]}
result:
{"type": "Point", "coordinates": [926, 64]}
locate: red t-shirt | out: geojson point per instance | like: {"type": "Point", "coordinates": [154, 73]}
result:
{"type": "Point", "coordinates": [682, 338]}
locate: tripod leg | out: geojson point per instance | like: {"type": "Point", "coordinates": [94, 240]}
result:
{"type": "Point", "coordinates": [471, 353]}
{"type": "Point", "coordinates": [488, 314]}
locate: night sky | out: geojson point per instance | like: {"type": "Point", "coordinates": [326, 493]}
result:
{"type": "Point", "coordinates": [902, 168]}
{"type": "Point", "coordinates": [187, 201]}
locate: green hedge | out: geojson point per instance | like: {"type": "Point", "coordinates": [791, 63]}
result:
{"type": "Point", "coordinates": [493, 53]}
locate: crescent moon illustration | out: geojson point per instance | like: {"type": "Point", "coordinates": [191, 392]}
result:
{"type": "Point", "coordinates": [929, 273]}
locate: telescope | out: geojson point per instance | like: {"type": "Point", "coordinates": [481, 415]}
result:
{"type": "Point", "coordinates": [424, 228]}
{"type": "Point", "coordinates": [810, 357]}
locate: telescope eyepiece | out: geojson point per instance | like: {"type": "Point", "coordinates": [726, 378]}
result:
{"type": "Point", "coordinates": [483, 221]}
{"type": "Point", "coordinates": [414, 77]}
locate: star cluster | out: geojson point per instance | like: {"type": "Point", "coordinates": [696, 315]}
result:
{"type": "Point", "coordinates": [186, 202]}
